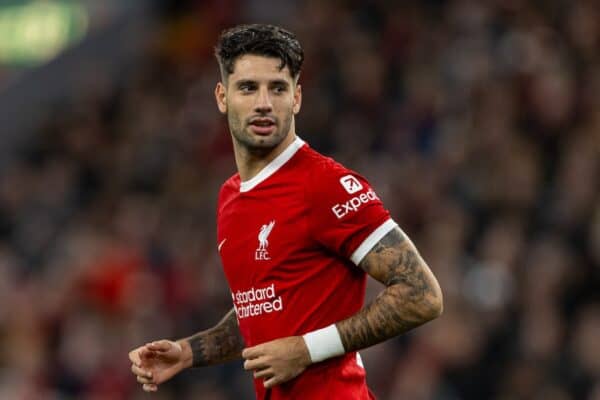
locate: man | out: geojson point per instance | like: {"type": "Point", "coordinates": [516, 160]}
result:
{"type": "Point", "coordinates": [297, 233]}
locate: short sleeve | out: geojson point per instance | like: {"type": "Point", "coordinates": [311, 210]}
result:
{"type": "Point", "coordinates": [346, 215]}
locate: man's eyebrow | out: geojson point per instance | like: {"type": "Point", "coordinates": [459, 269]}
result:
{"type": "Point", "coordinates": [279, 82]}
{"type": "Point", "coordinates": [275, 82]}
{"type": "Point", "coordinates": [245, 82]}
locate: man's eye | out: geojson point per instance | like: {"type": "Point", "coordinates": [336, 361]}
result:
{"type": "Point", "coordinates": [279, 89]}
{"type": "Point", "coordinates": [246, 88]}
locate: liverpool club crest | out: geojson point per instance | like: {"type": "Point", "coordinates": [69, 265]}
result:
{"type": "Point", "coordinates": [262, 252]}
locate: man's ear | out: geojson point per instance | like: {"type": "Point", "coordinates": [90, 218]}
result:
{"type": "Point", "coordinates": [297, 99]}
{"type": "Point", "coordinates": [220, 96]}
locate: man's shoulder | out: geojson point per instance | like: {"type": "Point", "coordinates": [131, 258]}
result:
{"type": "Point", "coordinates": [320, 165]}
{"type": "Point", "coordinates": [330, 180]}
{"type": "Point", "coordinates": [231, 185]}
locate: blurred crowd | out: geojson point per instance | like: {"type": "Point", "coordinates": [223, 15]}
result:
{"type": "Point", "coordinates": [477, 122]}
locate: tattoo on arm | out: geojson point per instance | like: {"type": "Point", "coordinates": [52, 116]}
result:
{"type": "Point", "coordinates": [412, 295]}
{"type": "Point", "coordinates": [219, 344]}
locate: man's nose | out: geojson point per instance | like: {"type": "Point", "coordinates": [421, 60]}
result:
{"type": "Point", "coordinates": [263, 101]}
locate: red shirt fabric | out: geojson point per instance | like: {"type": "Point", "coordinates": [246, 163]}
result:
{"type": "Point", "coordinates": [289, 240]}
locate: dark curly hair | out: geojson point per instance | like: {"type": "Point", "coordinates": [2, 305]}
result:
{"type": "Point", "coordinates": [259, 39]}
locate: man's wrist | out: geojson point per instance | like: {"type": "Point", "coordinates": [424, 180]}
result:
{"type": "Point", "coordinates": [324, 343]}
{"type": "Point", "coordinates": [187, 356]}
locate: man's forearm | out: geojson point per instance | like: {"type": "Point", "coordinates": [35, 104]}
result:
{"type": "Point", "coordinates": [411, 298]}
{"type": "Point", "coordinates": [216, 345]}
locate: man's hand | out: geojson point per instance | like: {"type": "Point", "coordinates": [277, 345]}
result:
{"type": "Point", "coordinates": [158, 361]}
{"type": "Point", "coordinates": [277, 361]}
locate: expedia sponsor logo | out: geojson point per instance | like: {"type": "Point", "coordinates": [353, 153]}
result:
{"type": "Point", "coordinates": [256, 301]}
{"type": "Point", "coordinates": [351, 184]}
{"type": "Point", "coordinates": [354, 204]}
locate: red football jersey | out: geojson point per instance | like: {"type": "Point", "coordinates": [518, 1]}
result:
{"type": "Point", "coordinates": [289, 240]}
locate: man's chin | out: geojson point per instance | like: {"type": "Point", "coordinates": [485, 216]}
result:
{"type": "Point", "coordinates": [264, 141]}
{"type": "Point", "coordinates": [259, 144]}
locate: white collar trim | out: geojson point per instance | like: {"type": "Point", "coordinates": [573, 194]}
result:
{"type": "Point", "coordinates": [273, 166]}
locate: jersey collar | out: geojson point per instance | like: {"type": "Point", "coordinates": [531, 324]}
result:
{"type": "Point", "coordinates": [273, 166]}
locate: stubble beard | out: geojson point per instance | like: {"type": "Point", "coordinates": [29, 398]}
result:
{"type": "Point", "coordinates": [255, 144]}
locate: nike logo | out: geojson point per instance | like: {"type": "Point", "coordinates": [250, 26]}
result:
{"type": "Point", "coordinates": [221, 244]}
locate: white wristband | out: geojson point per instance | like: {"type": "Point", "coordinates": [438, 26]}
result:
{"type": "Point", "coordinates": [324, 343]}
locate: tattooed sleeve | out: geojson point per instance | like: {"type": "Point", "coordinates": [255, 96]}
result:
{"type": "Point", "coordinates": [412, 295]}
{"type": "Point", "coordinates": [219, 344]}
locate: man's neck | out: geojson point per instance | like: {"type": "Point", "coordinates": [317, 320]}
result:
{"type": "Point", "coordinates": [250, 163]}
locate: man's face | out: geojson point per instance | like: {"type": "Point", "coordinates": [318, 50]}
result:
{"type": "Point", "coordinates": [260, 101]}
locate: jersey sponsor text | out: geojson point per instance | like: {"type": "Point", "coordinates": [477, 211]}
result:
{"type": "Point", "coordinates": [255, 302]}
{"type": "Point", "coordinates": [352, 205]}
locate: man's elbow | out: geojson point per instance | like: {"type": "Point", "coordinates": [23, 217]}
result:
{"type": "Point", "coordinates": [429, 304]}
{"type": "Point", "coordinates": [434, 303]}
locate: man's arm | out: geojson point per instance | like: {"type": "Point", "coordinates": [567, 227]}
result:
{"type": "Point", "coordinates": [412, 295]}
{"type": "Point", "coordinates": [157, 362]}
{"type": "Point", "coordinates": [216, 345]}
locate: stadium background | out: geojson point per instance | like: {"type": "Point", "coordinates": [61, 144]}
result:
{"type": "Point", "coordinates": [478, 123]}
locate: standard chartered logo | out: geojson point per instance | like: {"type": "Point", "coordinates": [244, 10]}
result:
{"type": "Point", "coordinates": [256, 301]}
{"type": "Point", "coordinates": [352, 205]}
